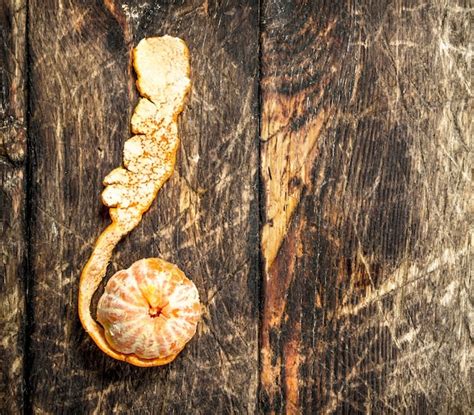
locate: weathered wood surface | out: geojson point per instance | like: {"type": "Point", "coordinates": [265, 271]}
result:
{"type": "Point", "coordinates": [366, 241]}
{"type": "Point", "coordinates": [357, 198]}
{"type": "Point", "coordinates": [84, 92]}
{"type": "Point", "coordinates": [12, 201]}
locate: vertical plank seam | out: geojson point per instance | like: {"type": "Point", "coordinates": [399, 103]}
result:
{"type": "Point", "coordinates": [260, 199]}
{"type": "Point", "coordinates": [27, 279]}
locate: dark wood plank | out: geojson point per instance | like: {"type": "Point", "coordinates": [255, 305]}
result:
{"type": "Point", "coordinates": [13, 246]}
{"type": "Point", "coordinates": [205, 219]}
{"type": "Point", "coordinates": [366, 238]}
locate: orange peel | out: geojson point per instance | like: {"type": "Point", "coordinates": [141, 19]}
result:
{"type": "Point", "coordinates": [163, 80]}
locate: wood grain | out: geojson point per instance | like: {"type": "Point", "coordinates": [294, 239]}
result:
{"type": "Point", "coordinates": [333, 257]}
{"type": "Point", "coordinates": [13, 245]}
{"type": "Point", "coordinates": [84, 92]}
{"type": "Point", "coordinates": [366, 239]}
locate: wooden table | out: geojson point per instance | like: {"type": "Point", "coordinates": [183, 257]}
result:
{"type": "Point", "coordinates": [320, 203]}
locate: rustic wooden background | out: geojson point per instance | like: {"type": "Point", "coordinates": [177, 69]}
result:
{"type": "Point", "coordinates": [322, 204]}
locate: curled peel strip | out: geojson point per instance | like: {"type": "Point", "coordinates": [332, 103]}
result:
{"type": "Point", "coordinates": [162, 67]}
